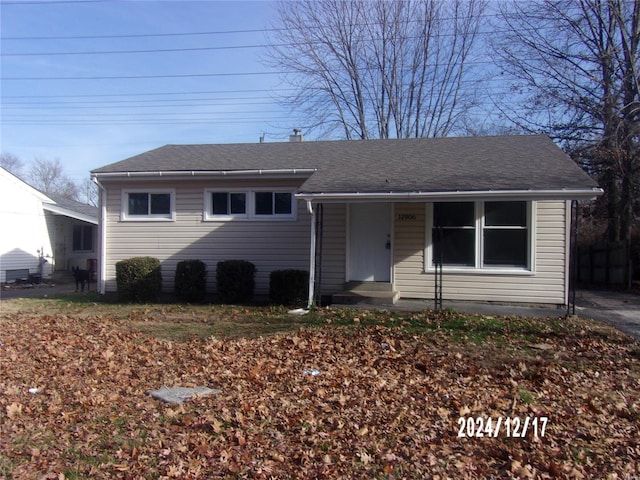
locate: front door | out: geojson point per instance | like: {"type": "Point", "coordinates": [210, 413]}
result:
{"type": "Point", "coordinates": [370, 242]}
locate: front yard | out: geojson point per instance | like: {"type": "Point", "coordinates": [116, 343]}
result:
{"type": "Point", "coordinates": [334, 394]}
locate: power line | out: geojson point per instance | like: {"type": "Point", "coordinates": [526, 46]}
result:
{"type": "Point", "coordinates": [146, 77]}
{"type": "Point", "coordinates": [109, 104]}
{"type": "Point", "coordinates": [153, 50]}
{"type": "Point", "coordinates": [141, 94]}
{"type": "Point", "coordinates": [144, 35]}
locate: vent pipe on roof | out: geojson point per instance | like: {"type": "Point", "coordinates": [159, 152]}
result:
{"type": "Point", "coordinates": [297, 135]}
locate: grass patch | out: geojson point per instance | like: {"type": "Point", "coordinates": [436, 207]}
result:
{"type": "Point", "coordinates": [182, 322]}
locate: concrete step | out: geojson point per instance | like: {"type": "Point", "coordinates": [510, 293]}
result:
{"type": "Point", "coordinates": [369, 287]}
{"type": "Point", "coordinates": [369, 297]}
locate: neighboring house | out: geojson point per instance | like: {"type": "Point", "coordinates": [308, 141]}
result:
{"type": "Point", "coordinates": [42, 234]}
{"type": "Point", "coordinates": [371, 214]}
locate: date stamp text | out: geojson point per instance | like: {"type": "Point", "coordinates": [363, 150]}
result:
{"type": "Point", "coordinates": [510, 427]}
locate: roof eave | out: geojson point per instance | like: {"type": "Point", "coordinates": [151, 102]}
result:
{"type": "Point", "coordinates": [58, 210]}
{"type": "Point", "coordinates": [560, 194]}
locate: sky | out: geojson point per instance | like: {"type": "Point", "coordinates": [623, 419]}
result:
{"type": "Point", "coordinates": [94, 82]}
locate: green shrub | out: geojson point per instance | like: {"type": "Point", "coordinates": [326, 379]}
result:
{"type": "Point", "coordinates": [191, 281]}
{"type": "Point", "coordinates": [289, 287]}
{"type": "Point", "coordinates": [236, 281]}
{"type": "Point", "coordinates": [139, 279]}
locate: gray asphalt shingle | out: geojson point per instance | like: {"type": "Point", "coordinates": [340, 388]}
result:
{"type": "Point", "coordinates": [531, 162]}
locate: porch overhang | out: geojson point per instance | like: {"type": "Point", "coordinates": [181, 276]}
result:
{"type": "Point", "coordinates": [58, 210]}
{"type": "Point", "coordinates": [453, 196]}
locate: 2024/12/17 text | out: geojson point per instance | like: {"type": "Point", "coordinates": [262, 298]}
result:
{"type": "Point", "coordinates": [512, 427]}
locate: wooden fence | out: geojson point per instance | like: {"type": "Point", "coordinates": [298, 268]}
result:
{"type": "Point", "coordinates": [607, 265]}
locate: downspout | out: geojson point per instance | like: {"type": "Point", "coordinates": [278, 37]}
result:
{"type": "Point", "coordinates": [312, 254]}
{"type": "Point", "coordinates": [102, 227]}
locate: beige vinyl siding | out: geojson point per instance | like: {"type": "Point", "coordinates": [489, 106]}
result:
{"type": "Point", "coordinates": [269, 244]}
{"type": "Point", "coordinates": [545, 285]}
{"type": "Point", "coordinates": [334, 234]}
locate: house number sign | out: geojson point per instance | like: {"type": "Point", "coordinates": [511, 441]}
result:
{"type": "Point", "coordinates": [407, 217]}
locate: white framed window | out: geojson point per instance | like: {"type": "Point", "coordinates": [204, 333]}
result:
{"type": "Point", "coordinates": [229, 204]}
{"type": "Point", "coordinates": [225, 204]}
{"type": "Point", "coordinates": [273, 204]}
{"type": "Point", "coordinates": [148, 205]}
{"type": "Point", "coordinates": [491, 236]}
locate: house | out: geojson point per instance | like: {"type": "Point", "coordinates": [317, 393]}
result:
{"type": "Point", "coordinates": [42, 234]}
{"type": "Point", "coordinates": [364, 215]}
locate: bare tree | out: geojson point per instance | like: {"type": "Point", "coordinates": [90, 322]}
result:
{"type": "Point", "coordinates": [49, 177]}
{"type": "Point", "coordinates": [575, 65]}
{"type": "Point", "coordinates": [12, 164]}
{"type": "Point", "coordinates": [379, 69]}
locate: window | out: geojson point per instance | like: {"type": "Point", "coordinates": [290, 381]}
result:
{"type": "Point", "coordinates": [482, 235]}
{"type": "Point", "coordinates": [82, 238]}
{"type": "Point", "coordinates": [273, 203]}
{"type": "Point", "coordinates": [149, 205]}
{"type": "Point", "coordinates": [223, 205]}
{"type": "Point", "coordinates": [228, 203]}
{"type": "Point", "coordinates": [454, 233]}
{"type": "Point", "coordinates": [505, 236]}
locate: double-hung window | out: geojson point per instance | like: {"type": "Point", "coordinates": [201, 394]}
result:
{"type": "Point", "coordinates": [82, 238]}
{"type": "Point", "coordinates": [454, 233]}
{"type": "Point", "coordinates": [505, 235]}
{"type": "Point", "coordinates": [487, 236]}
{"type": "Point", "coordinates": [148, 205]}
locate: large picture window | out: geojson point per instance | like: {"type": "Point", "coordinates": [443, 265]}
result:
{"type": "Point", "coordinates": [147, 205]}
{"type": "Point", "coordinates": [481, 235]}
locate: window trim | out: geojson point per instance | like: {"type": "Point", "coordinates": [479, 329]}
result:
{"type": "Point", "coordinates": [124, 205]}
{"type": "Point", "coordinates": [479, 268]}
{"type": "Point", "coordinates": [250, 212]}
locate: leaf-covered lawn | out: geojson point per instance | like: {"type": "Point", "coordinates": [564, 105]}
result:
{"type": "Point", "coordinates": [353, 395]}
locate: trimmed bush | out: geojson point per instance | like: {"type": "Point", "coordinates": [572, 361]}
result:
{"type": "Point", "coordinates": [139, 279]}
{"type": "Point", "coordinates": [191, 281]}
{"type": "Point", "coordinates": [236, 281]}
{"type": "Point", "coordinates": [289, 287]}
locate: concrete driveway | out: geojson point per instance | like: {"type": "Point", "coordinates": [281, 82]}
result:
{"type": "Point", "coordinates": [620, 309]}
{"type": "Point", "coordinates": [44, 290]}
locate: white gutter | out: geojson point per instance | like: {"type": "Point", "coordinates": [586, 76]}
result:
{"type": "Point", "coordinates": [102, 228]}
{"type": "Point", "coordinates": [207, 173]}
{"type": "Point", "coordinates": [564, 194]}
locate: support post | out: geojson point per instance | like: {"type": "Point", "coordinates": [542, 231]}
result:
{"type": "Point", "coordinates": [573, 258]}
{"type": "Point", "coordinates": [312, 254]}
{"type": "Point", "coordinates": [438, 270]}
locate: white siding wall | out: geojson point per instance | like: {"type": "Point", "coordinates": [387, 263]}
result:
{"type": "Point", "coordinates": [546, 285]}
{"type": "Point", "coordinates": [24, 227]}
{"type": "Point", "coordinates": [269, 245]}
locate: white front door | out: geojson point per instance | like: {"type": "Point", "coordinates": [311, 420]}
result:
{"type": "Point", "coordinates": [370, 242]}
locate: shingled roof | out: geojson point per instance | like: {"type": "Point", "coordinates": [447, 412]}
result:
{"type": "Point", "coordinates": [471, 164]}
